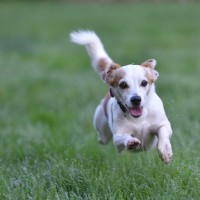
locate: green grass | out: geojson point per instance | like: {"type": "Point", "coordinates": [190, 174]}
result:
{"type": "Point", "coordinates": [48, 94]}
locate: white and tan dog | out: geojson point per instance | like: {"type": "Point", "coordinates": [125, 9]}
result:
{"type": "Point", "coordinates": [132, 113]}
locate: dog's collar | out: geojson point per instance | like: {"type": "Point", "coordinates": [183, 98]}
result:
{"type": "Point", "coordinates": [122, 107]}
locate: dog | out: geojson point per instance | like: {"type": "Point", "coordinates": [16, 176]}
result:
{"type": "Point", "coordinates": [131, 114]}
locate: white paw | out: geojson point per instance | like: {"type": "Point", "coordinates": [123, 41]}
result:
{"type": "Point", "coordinates": [165, 151]}
{"type": "Point", "coordinates": [133, 144]}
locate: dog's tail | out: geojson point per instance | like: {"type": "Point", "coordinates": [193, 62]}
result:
{"type": "Point", "coordinates": [100, 59]}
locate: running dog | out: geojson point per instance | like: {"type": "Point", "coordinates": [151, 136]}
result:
{"type": "Point", "coordinates": [131, 114]}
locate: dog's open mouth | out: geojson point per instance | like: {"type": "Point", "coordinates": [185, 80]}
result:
{"type": "Point", "coordinates": [136, 112]}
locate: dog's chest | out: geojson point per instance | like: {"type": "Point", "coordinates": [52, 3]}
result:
{"type": "Point", "coordinates": [145, 133]}
{"type": "Point", "coordinates": [140, 129]}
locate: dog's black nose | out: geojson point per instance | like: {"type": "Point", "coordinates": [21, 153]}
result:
{"type": "Point", "coordinates": [135, 100]}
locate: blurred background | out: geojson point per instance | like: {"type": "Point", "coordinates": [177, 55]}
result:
{"type": "Point", "coordinates": [48, 94]}
{"type": "Point", "coordinates": [106, 1]}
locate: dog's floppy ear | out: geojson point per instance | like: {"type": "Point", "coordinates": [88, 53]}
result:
{"type": "Point", "coordinates": [108, 74]}
{"type": "Point", "coordinates": [106, 70]}
{"type": "Point", "coordinates": [151, 63]}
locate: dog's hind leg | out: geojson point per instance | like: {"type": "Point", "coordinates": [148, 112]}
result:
{"type": "Point", "coordinates": [101, 125]}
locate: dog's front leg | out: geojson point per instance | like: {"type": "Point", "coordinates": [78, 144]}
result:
{"type": "Point", "coordinates": [164, 145]}
{"type": "Point", "coordinates": [125, 142]}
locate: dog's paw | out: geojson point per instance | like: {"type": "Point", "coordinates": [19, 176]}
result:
{"type": "Point", "coordinates": [133, 144]}
{"type": "Point", "coordinates": [165, 152]}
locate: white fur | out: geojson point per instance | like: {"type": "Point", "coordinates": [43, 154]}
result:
{"type": "Point", "coordinates": [92, 44]}
{"type": "Point", "coordinates": [129, 132]}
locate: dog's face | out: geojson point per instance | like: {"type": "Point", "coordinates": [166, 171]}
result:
{"type": "Point", "coordinates": [131, 84]}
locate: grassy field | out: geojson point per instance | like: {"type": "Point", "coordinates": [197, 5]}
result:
{"type": "Point", "coordinates": [48, 94]}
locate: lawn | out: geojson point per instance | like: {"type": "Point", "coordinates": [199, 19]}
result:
{"type": "Point", "coordinates": [48, 94]}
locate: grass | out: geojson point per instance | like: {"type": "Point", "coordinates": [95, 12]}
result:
{"type": "Point", "coordinates": [48, 94]}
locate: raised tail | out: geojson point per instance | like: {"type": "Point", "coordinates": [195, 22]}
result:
{"type": "Point", "coordinates": [99, 58]}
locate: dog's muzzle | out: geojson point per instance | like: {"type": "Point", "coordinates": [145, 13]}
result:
{"type": "Point", "coordinates": [136, 100]}
{"type": "Point", "coordinates": [136, 109]}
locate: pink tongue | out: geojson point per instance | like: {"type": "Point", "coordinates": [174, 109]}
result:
{"type": "Point", "coordinates": [136, 112]}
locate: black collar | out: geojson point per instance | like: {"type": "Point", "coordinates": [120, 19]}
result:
{"type": "Point", "coordinates": [123, 108]}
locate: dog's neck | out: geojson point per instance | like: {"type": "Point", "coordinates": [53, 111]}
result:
{"type": "Point", "coordinates": [123, 108]}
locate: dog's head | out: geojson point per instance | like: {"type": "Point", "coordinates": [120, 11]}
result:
{"type": "Point", "coordinates": [131, 84]}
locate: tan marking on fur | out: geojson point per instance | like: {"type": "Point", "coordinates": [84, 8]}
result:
{"type": "Point", "coordinates": [119, 74]}
{"type": "Point", "coordinates": [110, 73]}
{"type": "Point", "coordinates": [149, 75]}
{"type": "Point", "coordinates": [147, 63]}
{"type": "Point", "coordinates": [105, 103]}
{"type": "Point", "coordinates": [102, 64]}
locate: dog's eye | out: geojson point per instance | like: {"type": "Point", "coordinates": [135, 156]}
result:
{"type": "Point", "coordinates": [144, 83]}
{"type": "Point", "coordinates": [123, 85]}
